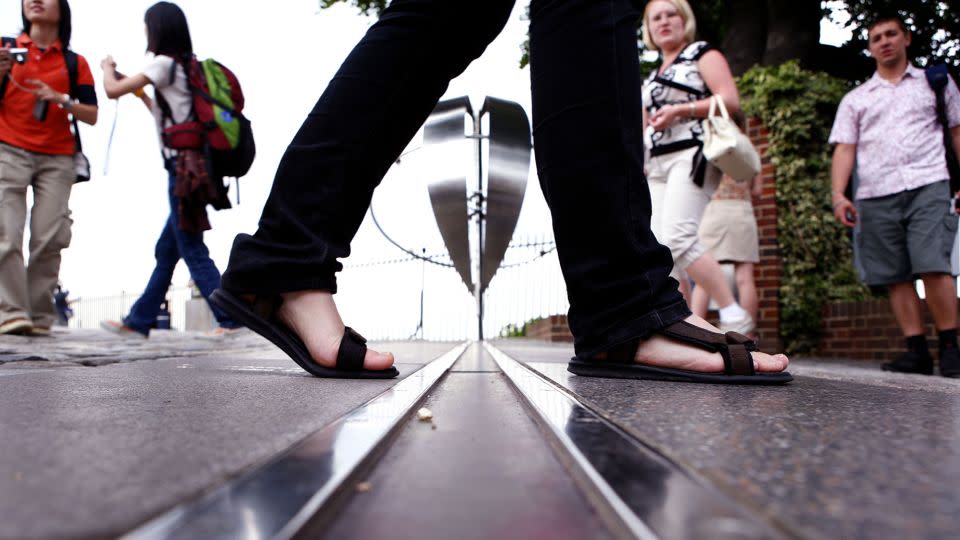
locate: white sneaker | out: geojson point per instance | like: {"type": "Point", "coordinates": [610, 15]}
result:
{"type": "Point", "coordinates": [120, 329]}
{"type": "Point", "coordinates": [744, 326]}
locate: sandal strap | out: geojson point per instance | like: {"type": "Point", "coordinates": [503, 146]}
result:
{"type": "Point", "coordinates": [734, 348]}
{"type": "Point", "coordinates": [353, 349]}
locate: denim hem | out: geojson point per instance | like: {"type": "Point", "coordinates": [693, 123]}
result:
{"type": "Point", "coordinates": [641, 327]}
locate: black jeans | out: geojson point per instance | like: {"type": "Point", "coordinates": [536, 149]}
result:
{"type": "Point", "coordinates": [587, 136]}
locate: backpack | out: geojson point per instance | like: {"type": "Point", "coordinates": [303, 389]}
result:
{"type": "Point", "coordinates": [217, 125]}
{"type": "Point", "coordinates": [938, 78]}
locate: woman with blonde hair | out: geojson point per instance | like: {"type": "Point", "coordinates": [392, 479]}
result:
{"type": "Point", "coordinates": [676, 99]}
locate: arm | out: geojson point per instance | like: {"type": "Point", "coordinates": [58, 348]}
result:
{"type": "Point", "coordinates": [955, 134]}
{"type": "Point", "coordinates": [83, 113]}
{"type": "Point", "coordinates": [116, 85]}
{"type": "Point", "coordinates": [717, 76]}
{"type": "Point", "coordinates": [840, 170]}
{"type": "Point", "coordinates": [6, 62]}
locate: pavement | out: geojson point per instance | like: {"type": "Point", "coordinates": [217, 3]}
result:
{"type": "Point", "coordinates": [99, 434]}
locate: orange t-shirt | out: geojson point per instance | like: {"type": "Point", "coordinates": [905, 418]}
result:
{"type": "Point", "coordinates": [18, 127]}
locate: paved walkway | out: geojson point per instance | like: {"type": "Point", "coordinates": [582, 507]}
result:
{"type": "Point", "coordinates": [100, 434]}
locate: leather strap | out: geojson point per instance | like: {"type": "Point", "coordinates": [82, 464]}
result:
{"type": "Point", "coordinates": [353, 348]}
{"type": "Point", "coordinates": [733, 347]}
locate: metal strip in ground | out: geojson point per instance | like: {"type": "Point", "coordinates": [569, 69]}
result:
{"type": "Point", "coordinates": [649, 495]}
{"type": "Point", "coordinates": [275, 500]}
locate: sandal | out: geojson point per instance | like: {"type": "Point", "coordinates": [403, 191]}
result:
{"type": "Point", "coordinates": [733, 347]}
{"type": "Point", "coordinates": [260, 316]}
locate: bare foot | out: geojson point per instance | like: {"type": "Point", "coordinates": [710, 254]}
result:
{"type": "Point", "coordinates": [314, 317]}
{"type": "Point", "coordinates": [665, 352]}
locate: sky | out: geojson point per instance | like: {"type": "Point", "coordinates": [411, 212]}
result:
{"type": "Point", "coordinates": [283, 58]}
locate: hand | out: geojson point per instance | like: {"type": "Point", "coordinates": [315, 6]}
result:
{"type": "Point", "coordinates": [844, 211]}
{"type": "Point", "coordinates": [6, 61]}
{"type": "Point", "coordinates": [664, 117]}
{"type": "Point", "coordinates": [756, 189]}
{"type": "Point", "coordinates": [44, 92]}
{"type": "Point", "coordinates": [107, 64]}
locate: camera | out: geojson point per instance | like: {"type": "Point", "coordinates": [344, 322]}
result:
{"type": "Point", "coordinates": [19, 55]}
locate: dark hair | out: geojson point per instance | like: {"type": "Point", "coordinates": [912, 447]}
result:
{"type": "Point", "coordinates": [885, 18]}
{"type": "Point", "coordinates": [66, 28]}
{"type": "Point", "coordinates": [167, 30]}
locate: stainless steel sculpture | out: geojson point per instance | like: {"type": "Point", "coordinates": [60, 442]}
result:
{"type": "Point", "coordinates": [448, 196]}
{"type": "Point", "coordinates": [494, 210]}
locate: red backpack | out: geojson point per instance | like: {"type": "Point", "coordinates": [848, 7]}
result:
{"type": "Point", "coordinates": [217, 126]}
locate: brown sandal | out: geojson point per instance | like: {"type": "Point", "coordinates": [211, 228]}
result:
{"type": "Point", "coordinates": [260, 316]}
{"type": "Point", "coordinates": [733, 347]}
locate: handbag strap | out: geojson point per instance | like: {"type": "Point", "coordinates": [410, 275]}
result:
{"type": "Point", "coordinates": [715, 103]}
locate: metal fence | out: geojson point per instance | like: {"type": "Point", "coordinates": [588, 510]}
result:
{"type": "Point", "coordinates": [88, 311]}
{"type": "Point", "coordinates": [408, 298]}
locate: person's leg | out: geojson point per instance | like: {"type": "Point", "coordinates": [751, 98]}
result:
{"type": "Point", "coordinates": [191, 248]}
{"type": "Point", "coordinates": [906, 308]}
{"type": "Point", "coordinates": [49, 233]}
{"type": "Point", "coordinates": [144, 311]}
{"type": "Point", "coordinates": [941, 294]}
{"type": "Point", "coordinates": [699, 302]}
{"type": "Point", "coordinates": [373, 106]}
{"type": "Point", "coordinates": [587, 132]}
{"type": "Point", "coordinates": [747, 288]}
{"type": "Point", "coordinates": [16, 170]}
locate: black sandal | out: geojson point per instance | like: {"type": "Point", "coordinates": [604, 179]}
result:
{"type": "Point", "coordinates": [260, 316]}
{"type": "Point", "coordinates": [733, 347]}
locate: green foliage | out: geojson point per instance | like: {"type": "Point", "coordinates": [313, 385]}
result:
{"type": "Point", "coordinates": [367, 7]}
{"type": "Point", "coordinates": [797, 107]}
{"type": "Point", "coordinates": [514, 331]}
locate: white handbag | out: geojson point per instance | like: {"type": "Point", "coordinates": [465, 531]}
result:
{"type": "Point", "coordinates": [726, 147]}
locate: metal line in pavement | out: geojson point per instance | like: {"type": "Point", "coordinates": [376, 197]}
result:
{"type": "Point", "coordinates": [648, 495]}
{"type": "Point", "coordinates": [275, 500]}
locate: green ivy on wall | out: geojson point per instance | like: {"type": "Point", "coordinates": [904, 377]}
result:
{"type": "Point", "coordinates": [797, 107]}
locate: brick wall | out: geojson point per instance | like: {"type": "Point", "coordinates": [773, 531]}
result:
{"type": "Point", "coordinates": [866, 330]}
{"type": "Point", "coordinates": [552, 328]}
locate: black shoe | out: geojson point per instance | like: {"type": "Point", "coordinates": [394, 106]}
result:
{"type": "Point", "coordinates": [950, 362]}
{"type": "Point", "coordinates": [912, 362]}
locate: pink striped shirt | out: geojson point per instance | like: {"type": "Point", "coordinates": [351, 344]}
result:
{"type": "Point", "coordinates": [899, 140]}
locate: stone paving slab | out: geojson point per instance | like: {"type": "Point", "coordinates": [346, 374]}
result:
{"type": "Point", "coordinates": [92, 451]}
{"type": "Point", "coordinates": [845, 451]}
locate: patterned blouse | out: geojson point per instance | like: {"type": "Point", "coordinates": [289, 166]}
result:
{"type": "Point", "coordinates": [679, 83]}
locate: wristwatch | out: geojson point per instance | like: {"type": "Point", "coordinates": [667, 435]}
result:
{"type": "Point", "coordinates": [67, 103]}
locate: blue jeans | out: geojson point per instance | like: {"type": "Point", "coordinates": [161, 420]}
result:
{"type": "Point", "coordinates": [587, 123]}
{"type": "Point", "coordinates": [173, 245]}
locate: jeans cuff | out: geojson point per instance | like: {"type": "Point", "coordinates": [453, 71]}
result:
{"type": "Point", "coordinates": [640, 327]}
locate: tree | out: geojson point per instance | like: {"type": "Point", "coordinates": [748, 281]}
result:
{"type": "Point", "coordinates": [935, 25]}
{"type": "Point", "coordinates": [770, 32]}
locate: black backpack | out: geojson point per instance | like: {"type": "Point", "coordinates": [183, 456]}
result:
{"type": "Point", "coordinates": [938, 77]}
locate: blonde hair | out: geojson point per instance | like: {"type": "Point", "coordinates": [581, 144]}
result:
{"type": "Point", "coordinates": [689, 26]}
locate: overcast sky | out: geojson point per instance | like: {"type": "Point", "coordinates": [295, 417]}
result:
{"type": "Point", "coordinates": [283, 58]}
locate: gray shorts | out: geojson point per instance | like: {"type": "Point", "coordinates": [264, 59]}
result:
{"type": "Point", "coordinates": [904, 235]}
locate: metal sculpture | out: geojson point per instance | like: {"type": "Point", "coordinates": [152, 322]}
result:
{"type": "Point", "coordinates": [494, 210]}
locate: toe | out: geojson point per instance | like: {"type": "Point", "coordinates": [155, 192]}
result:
{"type": "Point", "coordinates": [377, 361]}
{"type": "Point", "coordinates": [767, 363]}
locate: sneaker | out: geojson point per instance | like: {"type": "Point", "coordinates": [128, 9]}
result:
{"type": "Point", "coordinates": [120, 329]}
{"type": "Point", "coordinates": [911, 362]}
{"type": "Point", "coordinates": [221, 332]}
{"type": "Point", "coordinates": [41, 331]}
{"type": "Point", "coordinates": [950, 363]}
{"type": "Point", "coordinates": [744, 326]}
{"type": "Point", "coordinates": [18, 326]}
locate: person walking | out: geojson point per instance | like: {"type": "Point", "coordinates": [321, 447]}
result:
{"type": "Point", "coordinates": [888, 127]}
{"type": "Point", "coordinates": [169, 42]}
{"type": "Point", "coordinates": [676, 99]}
{"type": "Point", "coordinates": [626, 314]}
{"type": "Point", "coordinates": [728, 232]}
{"type": "Point", "coordinates": [37, 150]}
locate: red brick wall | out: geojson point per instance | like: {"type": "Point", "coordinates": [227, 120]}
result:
{"type": "Point", "coordinates": [552, 328]}
{"type": "Point", "coordinates": [767, 271]}
{"type": "Point", "coordinates": [865, 330]}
